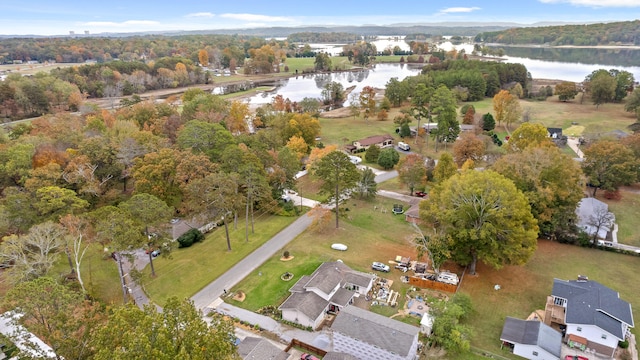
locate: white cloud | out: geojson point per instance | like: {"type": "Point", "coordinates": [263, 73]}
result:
{"type": "Point", "coordinates": [120, 24]}
{"type": "Point", "coordinates": [596, 3]}
{"type": "Point", "coordinates": [201, 15]}
{"type": "Point", "coordinates": [256, 18]}
{"type": "Point", "coordinates": [459, 10]}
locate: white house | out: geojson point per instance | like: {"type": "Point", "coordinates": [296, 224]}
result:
{"type": "Point", "coordinates": [330, 289]}
{"type": "Point", "coordinates": [369, 336]}
{"type": "Point", "coordinates": [594, 316]}
{"type": "Point", "coordinates": [531, 339]}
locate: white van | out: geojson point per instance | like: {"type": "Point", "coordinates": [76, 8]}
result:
{"type": "Point", "coordinates": [448, 278]}
{"type": "Point", "coordinates": [356, 160]}
{"type": "Point", "coordinates": [404, 146]}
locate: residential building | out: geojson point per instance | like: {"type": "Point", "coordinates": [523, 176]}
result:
{"type": "Point", "coordinates": [531, 339]}
{"type": "Point", "coordinates": [330, 289]}
{"type": "Point", "coordinates": [255, 348]}
{"type": "Point", "coordinates": [381, 141]}
{"type": "Point", "coordinates": [591, 315]}
{"type": "Point", "coordinates": [369, 336]}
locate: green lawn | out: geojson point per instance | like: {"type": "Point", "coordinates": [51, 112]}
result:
{"type": "Point", "coordinates": [343, 131]}
{"type": "Point", "coordinates": [191, 269]}
{"type": "Point", "coordinates": [99, 273]}
{"type": "Point", "coordinates": [375, 236]}
{"type": "Point", "coordinates": [307, 64]}
{"type": "Point", "coordinates": [370, 234]}
{"type": "Point", "coordinates": [245, 92]}
{"type": "Point", "coordinates": [627, 212]}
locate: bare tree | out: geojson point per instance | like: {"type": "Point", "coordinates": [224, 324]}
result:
{"type": "Point", "coordinates": [33, 254]}
{"type": "Point", "coordinates": [601, 218]}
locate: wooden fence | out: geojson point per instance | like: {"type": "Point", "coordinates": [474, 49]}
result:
{"type": "Point", "coordinates": [309, 348]}
{"type": "Point", "coordinates": [432, 284]}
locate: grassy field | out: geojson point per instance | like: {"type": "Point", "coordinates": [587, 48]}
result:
{"type": "Point", "coordinates": [627, 212]}
{"type": "Point", "coordinates": [375, 236]}
{"type": "Point", "coordinates": [31, 69]}
{"type": "Point", "coordinates": [370, 234]}
{"type": "Point", "coordinates": [588, 120]}
{"type": "Point", "coordinates": [99, 273]}
{"type": "Point", "coordinates": [191, 269]}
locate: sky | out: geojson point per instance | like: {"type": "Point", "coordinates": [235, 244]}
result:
{"type": "Point", "coordinates": [49, 17]}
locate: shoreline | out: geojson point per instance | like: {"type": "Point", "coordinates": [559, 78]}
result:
{"type": "Point", "coordinates": [541, 46]}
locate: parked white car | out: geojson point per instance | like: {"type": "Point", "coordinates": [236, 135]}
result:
{"type": "Point", "coordinates": [380, 266]}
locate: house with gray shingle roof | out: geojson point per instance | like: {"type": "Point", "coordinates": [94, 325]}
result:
{"type": "Point", "coordinates": [367, 335]}
{"type": "Point", "coordinates": [592, 314]}
{"type": "Point", "coordinates": [330, 288]}
{"type": "Point", "coordinates": [254, 348]}
{"type": "Point", "coordinates": [531, 339]}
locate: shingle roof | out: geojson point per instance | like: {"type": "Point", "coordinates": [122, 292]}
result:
{"type": "Point", "coordinates": [256, 348]}
{"type": "Point", "coordinates": [326, 277]}
{"type": "Point", "coordinates": [532, 332]}
{"type": "Point", "coordinates": [590, 302]}
{"type": "Point", "coordinates": [375, 139]}
{"type": "Point", "coordinates": [342, 297]}
{"type": "Point", "coordinates": [308, 303]}
{"type": "Point", "coordinates": [371, 328]}
{"type": "Point", "coordinates": [332, 355]}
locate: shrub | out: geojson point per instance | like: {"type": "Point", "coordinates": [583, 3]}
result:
{"type": "Point", "coordinates": [190, 237]}
{"type": "Point", "coordinates": [623, 344]}
{"type": "Point", "coordinates": [286, 254]}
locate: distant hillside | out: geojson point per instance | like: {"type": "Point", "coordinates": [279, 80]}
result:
{"type": "Point", "coordinates": [459, 29]}
{"type": "Point", "coordinates": [624, 33]}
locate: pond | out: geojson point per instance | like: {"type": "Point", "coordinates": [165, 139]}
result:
{"type": "Point", "coordinates": [299, 87]}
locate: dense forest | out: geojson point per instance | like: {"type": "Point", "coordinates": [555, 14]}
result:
{"type": "Point", "coordinates": [622, 33]}
{"type": "Point", "coordinates": [102, 49]}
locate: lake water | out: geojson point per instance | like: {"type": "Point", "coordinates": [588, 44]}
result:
{"type": "Point", "coordinates": [299, 87]}
{"type": "Point", "coordinates": [543, 63]}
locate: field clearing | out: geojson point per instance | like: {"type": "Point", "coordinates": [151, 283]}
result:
{"type": "Point", "coordinates": [627, 212]}
{"type": "Point", "coordinates": [370, 234]}
{"type": "Point", "coordinates": [190, 269]}
{"type": "Point", "coordinates": [32, 69]}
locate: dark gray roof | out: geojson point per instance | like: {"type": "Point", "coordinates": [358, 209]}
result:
{"type": "Point", "coordinates": [308, 303]}
{"type": "Point", "coordinates": [300, 284]}
{"type": "Point", "coordinates": [327, 276]}
{"type": "Point", "coordinates": [257, 348]}
{"type": "Point", "coordinates": [342, 297]}
{"type": "Point", "coordinates": [371, 328]}
{"type": "Point", "coordinates": [331, 274]}
{"type": "Point", "coordinates": [532, 332]}
{"type": "Point", "coordinates": [358, 278]}
{"type": "Point", "coordinates": [332, 355]}
{"type": "Point", "coordinates": [590, 302]}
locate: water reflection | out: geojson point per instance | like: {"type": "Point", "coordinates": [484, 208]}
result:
{"type": "Point", "coordinates": [297, 88]}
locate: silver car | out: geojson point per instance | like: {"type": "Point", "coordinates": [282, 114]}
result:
{"type": "Point", "coordinates": [380, 267]}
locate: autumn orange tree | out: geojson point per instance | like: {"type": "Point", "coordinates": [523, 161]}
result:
{"type": "Point", "coordinates": [236, 121]}
{"type": "Point", "coordinates": [411, 171]}
{"type": "Point", "coordinates": [203, 57]}
{"type": "Point", "coordinates": [506, 107]}
{"type": "Point", "coordinates": [468, 147]}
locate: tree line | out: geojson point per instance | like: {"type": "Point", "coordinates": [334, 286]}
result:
{"type": "Point", "coordinates": [623, 33]}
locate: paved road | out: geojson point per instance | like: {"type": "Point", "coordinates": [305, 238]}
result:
{"type": "Point", "coordinates": [238, 272]}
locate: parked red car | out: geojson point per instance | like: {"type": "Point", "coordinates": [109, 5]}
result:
{"type": "Point", "coordinates": [306, 356]}
{"type": "Point", "coordinates": [575, 357]}
{"type": "Point", "coordinates": [420, 194]}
